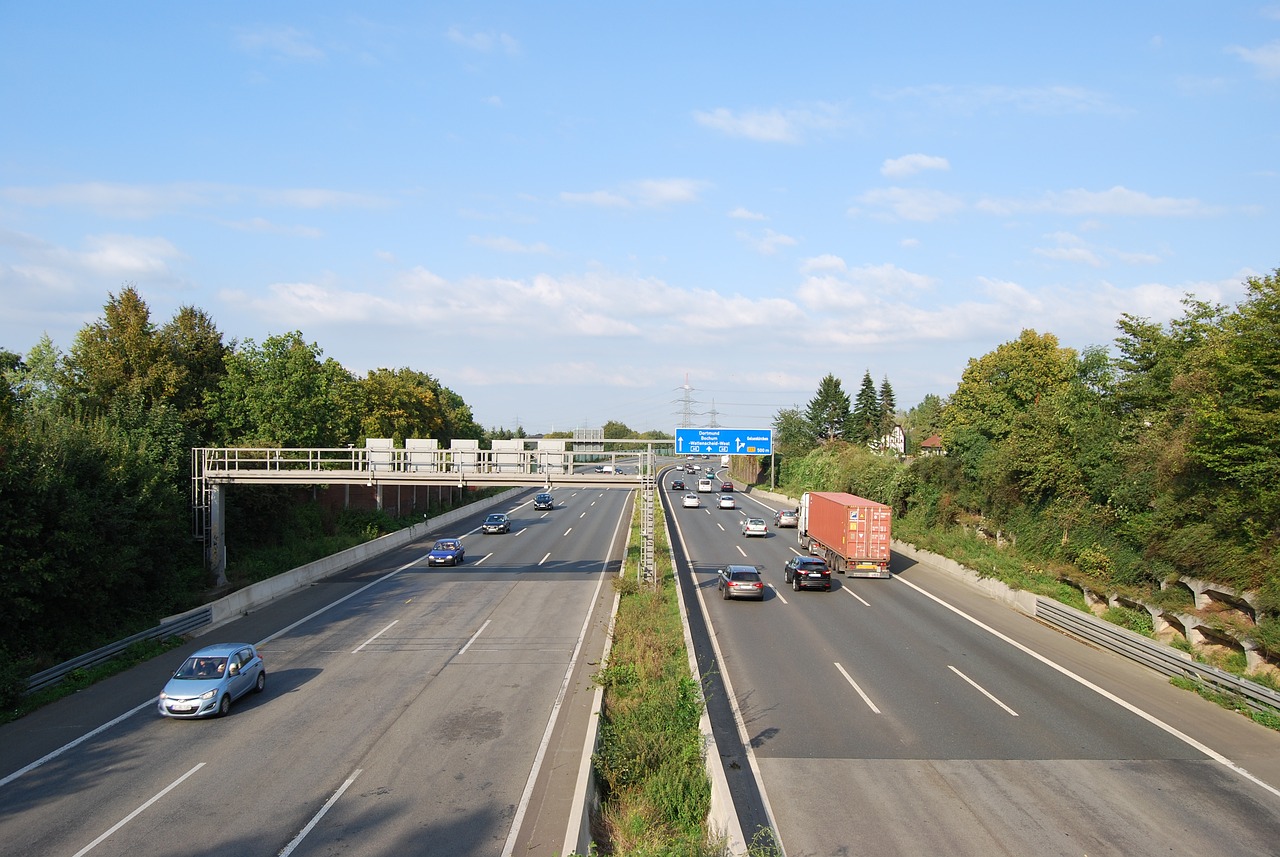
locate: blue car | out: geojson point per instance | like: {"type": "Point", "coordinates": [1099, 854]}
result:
{"type": "Point", "coordinates": [211, 679]}
{"type": "Point", "coordinates": [446, 552]}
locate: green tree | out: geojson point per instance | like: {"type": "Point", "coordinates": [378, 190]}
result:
{"type": "Point", "coordinates": [922, 421]}
{"type": "Point", "coordinates": [792, 434]}
{"type": "Point", "coordinates": [37, 380]}
{"type": "Point", "coordinates": [400, 404]}
{"type": "Point", "coordinates": [867, 417]}
{"type": "Point", "coordinates": [283, 394]}
{"type": "Point", "coordinates": [1236, 413]}
{"type": "Point", "coordinates": [121, 355]}
{"type": "Point", "coordinates": [888, 408]}
{"type": "Point", "coordinates": [192, 342]}
{"type": "Point", "coordinates": [828, 413]}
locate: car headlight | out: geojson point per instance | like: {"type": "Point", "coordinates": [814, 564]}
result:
{"type": "Point", "coordinates": [209, 694]}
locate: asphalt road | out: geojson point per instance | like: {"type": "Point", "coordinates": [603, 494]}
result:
{"type": "Point", "coordinates": [407, 711]}
{"type": "Point", "coordinates": [917, 716]}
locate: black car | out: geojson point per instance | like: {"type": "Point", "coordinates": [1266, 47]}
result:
{"type": "Point", "coordinates": [496, 523]}
{"type": "Point", "coordinates": [677, 485]}
{"type": "Point", "coordinates": [807, 572]}
{"type": "Point", "coordinates": [544, 501]}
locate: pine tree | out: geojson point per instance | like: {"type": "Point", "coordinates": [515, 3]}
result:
{"type": "Point", "coordinates": [866, 413]}
{"type": "Point", "coordinates": [888, 408]}
{"type": "Point", "coordinates": [828, 412]}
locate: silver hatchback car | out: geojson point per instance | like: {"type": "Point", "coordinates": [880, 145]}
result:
{"type": "Point", "coordinates": [211, 679]}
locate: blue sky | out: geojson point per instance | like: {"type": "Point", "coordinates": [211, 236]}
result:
{"type": "Point", "coordinates": [563, 211]}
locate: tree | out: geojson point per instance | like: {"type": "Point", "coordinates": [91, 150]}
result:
{"type": "Point", "coordinates": [193, 343]}
{"type": "Point", "coordinates": [828, 413]}
{"type": "Point", "coordinates": [283, 394]}
{"type": "Point", "coordinates": [888, 408]}
{"type": "Point", "coordinates": [37, 380]}
{"type": "Point", "coordinates": [121, 355]}
{"type": "Point", "coordinates": [399, 405]}
{"type": "Point", "coordinates": [792, 434]}
{"type": "Point", "coordinates": [1004, 383]}
{"type": "Point", "coordinates": [866, 414]}
{"type": "Point", "coordinates": [923, 420]}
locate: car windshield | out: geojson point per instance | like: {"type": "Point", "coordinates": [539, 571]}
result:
{"type": "Point", "coordinates": [495, 519]}
{"type": "Point", "coordinates": [202, 668]}
{"type": "Point", "coordinates": [446, 546]}
{"type": "Point", "coordinates": [811, 564]}
{"type": "Point", "coordinates": [745, 576]}
{"type": "Point", "coordinates": [755, 522]}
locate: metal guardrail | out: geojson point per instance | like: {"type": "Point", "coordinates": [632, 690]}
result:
{"type": "Point", "coordinates": [1152, 654]}
{"type": "Point", "coordinates": [183, 624]}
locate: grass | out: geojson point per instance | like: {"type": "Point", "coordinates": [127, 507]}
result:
{"type": "Point", "coordinates": [1269, 719]}
{"type": "Point", "coordinates": [79, 679]}
{"type": "Point", "coordinates": [650, 763]}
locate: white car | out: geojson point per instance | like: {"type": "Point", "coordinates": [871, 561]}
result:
{"type": "Point", "coordinates": [727, 502]}
{"type": "Point", "coordinates": [690, 501]}
{"type": "Point", "coordinates": [705, 486]}
{"type": "Point", "coordinates": [754, 527]}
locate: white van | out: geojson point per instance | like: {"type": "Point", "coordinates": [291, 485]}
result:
{"type": "Point", "coordinates": [704, 486]}
{"type": "Point", "coordinates": [724, 461]}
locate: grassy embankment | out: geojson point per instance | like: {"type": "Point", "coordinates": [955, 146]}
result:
{"type": "Point", "coordinates": [650, 763]}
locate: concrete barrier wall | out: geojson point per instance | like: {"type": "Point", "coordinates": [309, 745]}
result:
{"type": "Point", "coordinates": [245, 600]}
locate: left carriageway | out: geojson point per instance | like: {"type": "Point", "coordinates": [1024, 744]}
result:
{"type": "Point", "coordinates": [407, 710]}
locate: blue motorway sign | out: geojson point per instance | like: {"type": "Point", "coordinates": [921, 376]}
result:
{"type": "Point", "coordinates": [723, 441]}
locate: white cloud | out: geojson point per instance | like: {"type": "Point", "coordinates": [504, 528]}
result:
{"type": "Point", "coordinates": [826, 262]}
{"type": "Point", "coordinates": [263, 226]}
{"type": "Point", "coordinates": [1070, 254]}
{"type": "Point", "coordinates": [909, 165]}
{"type": "Point", "coordinates": [283, 42]}
{"type": "Point", "coordinates": [484, 42]}
{"type": "Point", "coordinates": [144, 201]}
{"type": "Point", "coordinates": [508, 245]}
{"type": "Point", "coordinates": [599, 198]}
{"type": "Point", "coordinates": [646, 193]}
{"type": "Point", "coordinates": [1265, 60]}
{"type": "Point", "coordinates": [773, 125]}
{"type": "Point", "coordinates": [741, 213]}
{"type": "Point", "coordinates": [1117, 201]}
{"type": "Point", "coordinates": [129, 254]}
{"type": "Point", "coordinates": [1028, 99]}
{"type": "Point", "coordinates": [767, 243]}
{"type": "Point", "coordinates": [909, 204]}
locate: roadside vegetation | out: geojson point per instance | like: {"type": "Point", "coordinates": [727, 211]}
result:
{"type": "Point", "coordinates": [650, 764]}
{"type": "Point", "coordinates": [1064, 472]}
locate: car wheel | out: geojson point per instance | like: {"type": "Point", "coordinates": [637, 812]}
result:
{"type": "Point", "coordinates": [224, 705]}
{"type": "Point", "coordinates": [726, 593]}
{"type": "Point", "coordinates": [795, 584]}
{"type": "Point", "coordinates": [262, 682]}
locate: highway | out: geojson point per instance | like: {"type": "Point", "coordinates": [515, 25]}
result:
{"type": "Point", "coordinates": [407, 711]}
{"type": "Point", "coordinates": [915, 716]}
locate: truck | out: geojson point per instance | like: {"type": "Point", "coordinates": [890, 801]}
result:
{"type": "Point", "coordinates": [851, 533]}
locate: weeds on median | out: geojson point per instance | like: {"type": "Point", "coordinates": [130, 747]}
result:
{"type": "Point", "coordinates": [650, 764]}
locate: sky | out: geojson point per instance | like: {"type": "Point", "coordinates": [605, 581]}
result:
{"type": "Point", "coordinates": [659, 213]}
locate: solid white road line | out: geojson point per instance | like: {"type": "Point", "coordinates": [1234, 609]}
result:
{"type": "Point", "coordinates": [374, 637]}
{"type": "Point", "coordinates": [865, 698]}
{"type": "Point", "coordinates": [150, 702]}
{"type": "Point", "coordinates": [131, 816]}
{"type": "Point", "coordinates": [509, 848]}
{"type": "Point", "coordinates": [463, 650]}
{"type": "Point", "coordinates": [855, 595]}
{"type": "Point", "coordinates": [1128, 706]}
{"type": "Point", "coordinates": [297, 840]}
{"type": "Point", "coordinates": [982, 690]}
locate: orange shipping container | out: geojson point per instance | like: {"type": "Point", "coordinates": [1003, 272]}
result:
{"type": "Point", "coordinates": [853, 533]}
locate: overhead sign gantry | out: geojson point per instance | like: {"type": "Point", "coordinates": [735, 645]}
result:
{"type": "Point", "coordinates": [724, 441]}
